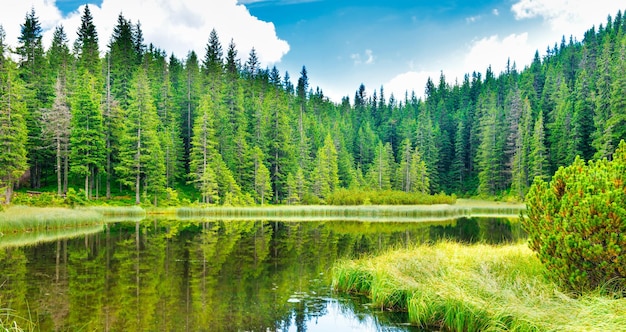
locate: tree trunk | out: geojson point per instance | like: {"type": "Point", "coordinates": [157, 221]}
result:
{"type": "Point", "coordinates": [87, 186]}
{"type": "Point", "coordinates": [9, 192]}
{"type": "Point", "coordinates": [59, 184]}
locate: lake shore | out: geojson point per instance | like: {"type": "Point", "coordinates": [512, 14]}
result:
{"type": "Point", "coordinates": [475, 288]}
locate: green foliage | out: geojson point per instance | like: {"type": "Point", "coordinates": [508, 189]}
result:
{"type": "Point", "coordinates": [13, 131]}
{"type": "Point", "coordinates": [577, 223]}
{"type": "Point", "coordinates": [386, 197]}
{"type": "Point", "coordinates": [74, 198]}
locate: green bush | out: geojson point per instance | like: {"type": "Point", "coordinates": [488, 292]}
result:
{"type": "Point", "coordinates": [577, 223]}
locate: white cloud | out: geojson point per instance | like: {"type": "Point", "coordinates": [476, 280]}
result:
{"type": "Point", "coordinates": [495, 12]}
{"type": "Point", "coordinates": [567, 16]}
{"type": "Point", "coordinates": [176, 26]}
{"type": "Point", "coordinates": [408, 82]}
{"type": "Point", "coordinates": [367, 59]}
{"type": "Point", "coordinates": [480, 54]}
{"type": "Point", "coordinates": [494, 51]}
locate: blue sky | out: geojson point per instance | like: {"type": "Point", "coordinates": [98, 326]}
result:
{"type": "Point", "coordinates": [343, 43]}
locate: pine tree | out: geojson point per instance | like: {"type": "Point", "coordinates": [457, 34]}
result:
{"type": "Point", "coordinates": [562, 146]}
{"type": "Point", "coordinates": [262, 183]}
{"type": "Point", "coordinates": [13, 131]}
{"type": "Point", "coordinates": [427, 139]}
{"type": "Point", "coordinates": [192, 92]}
{"type": "Point", "coordinates": [412, 175]}
{"type": "Point", "coordinates": [538, 159]}
{"type": "Point", "coordinates": [326, 173]}
{"type": "Point", "coordinates": [86, 136]}
{"type": "Point", "coordinates": [123, 59]}
{"type": "Point", "coordinates": [601, 136]}
{"type": "Point", "coordinates": [380, 172]}
{"type": "Point", "coordinates": [141, 158]}
{"type": "Point", "coordinates": [33, 71]}
{"type": "Point", "coordinates": [491, 149]}
{"type": "Point", "coordinates": [86, 44]}
{"type": "Point", "coordinates": [202, 151]}
{"type": "Point", "coordinates": [520, 162]}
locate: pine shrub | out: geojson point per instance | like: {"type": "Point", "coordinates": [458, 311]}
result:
{"type": "Point", "coordinates": [577, 223]}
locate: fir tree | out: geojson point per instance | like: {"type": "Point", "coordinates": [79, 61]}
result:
{"type": "Point", "coordinates": [86, 134]}
{"type": "Point", "coordinates": [141, 158]}
{"type": "Point", "coordinates": [13, 131]}
{"type": "Point", "coordinates": [86, 44]}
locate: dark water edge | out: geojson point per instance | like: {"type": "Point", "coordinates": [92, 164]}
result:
{"type": "Point", "coordinates": [173, 275]}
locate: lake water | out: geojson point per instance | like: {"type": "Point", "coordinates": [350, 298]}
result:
{"type": "Point", "coordinates": [210, 275]}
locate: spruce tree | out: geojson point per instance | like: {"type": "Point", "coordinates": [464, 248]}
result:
{"type": "Point", "coordinates": [141, 158]}
{"type": "Point", "coordinates": [87, 133]}
{"type": "Point", "coordinates": [13, 131]}
{"type": "Point", "coordinates": [326, 174]}
{"type": "Point", "coordinates": [538, 158]}
{"type": "Point", "coordinates": [34, 72]}
{"type": "Point", "coordinates": [86, 44]}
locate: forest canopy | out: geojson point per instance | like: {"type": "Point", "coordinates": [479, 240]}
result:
{"type": "Point", "coordinates": [220, 129]}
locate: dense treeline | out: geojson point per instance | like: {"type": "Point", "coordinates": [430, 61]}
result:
{"type": "Point", "coordinates": [139, 120]}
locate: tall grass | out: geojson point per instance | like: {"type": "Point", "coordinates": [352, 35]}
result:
{"type": "Point", "coordinates": [476, 288]}
{"type": "Point", "coordinates": [363, 212]}
{"type": "Point", "coordinates": [29, 219]}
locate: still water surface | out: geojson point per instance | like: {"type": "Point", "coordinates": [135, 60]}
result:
{"type": "Point", "coordinates": [211, 275]}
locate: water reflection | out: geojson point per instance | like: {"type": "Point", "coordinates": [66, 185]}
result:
{"type": "Point", "coordinates": [208, 275]}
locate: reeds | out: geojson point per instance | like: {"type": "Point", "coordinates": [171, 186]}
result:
{"type": "Point", "coordinates": [476, 288]}
{"type": "Point", "coordinates": [30, 219]}
{"type": "Point", "coordinates": [362, 212]}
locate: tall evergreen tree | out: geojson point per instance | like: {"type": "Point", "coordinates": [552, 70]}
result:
{"type": "Point", "coordinates": [141, 158]}
{"type": "Point", "coordinates": [538, 159]}
{"type": "Point", "coordinates": [326, 174]}
{"type": "Point", "coordinates": [86, 44]}
{"type": "Point", "coordinates": [86, 136]}
{"type": "Point", "coordinates": [380, 173]}
{"type": "Point", "coordinates": [34, 73]}
{"type": "Point", "coordinates": [13, 131]}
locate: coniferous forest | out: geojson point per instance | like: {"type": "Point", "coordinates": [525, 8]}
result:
{"type": "Point", "coordinates": [218, 128]}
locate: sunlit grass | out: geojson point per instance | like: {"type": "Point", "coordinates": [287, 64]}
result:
{"type": "Point", "coordinates": [476, 288]}
{"type": "Point", "coordinates": [361, 212]}
{"type": "Point", "coordinates": [29, 219]}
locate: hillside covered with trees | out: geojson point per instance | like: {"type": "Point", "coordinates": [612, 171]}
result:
{"type": "Point", "coordinates": [218, 128]}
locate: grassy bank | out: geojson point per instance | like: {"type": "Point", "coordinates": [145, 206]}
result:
{"type": "Point", "coordinates": [29, 219]}
{"type": "Point", "coordinates": [464, 208]}
{"type": "Point", "coordinates": [476, 288]}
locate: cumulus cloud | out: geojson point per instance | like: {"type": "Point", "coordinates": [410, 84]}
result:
{"type": "Point", "coordinates": [176, 26]}
{"type": "Point", "coordinates": [567, 16]}
{"type": "Point", "coordinates": [494, 51]}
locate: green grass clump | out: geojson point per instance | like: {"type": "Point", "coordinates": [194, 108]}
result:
{"type": "Point", "coordinates": [29, 219]}
{"type": "Point", "coordinates": [385, 197]}
{"type": "Point", "coordinates": [476, 288]}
